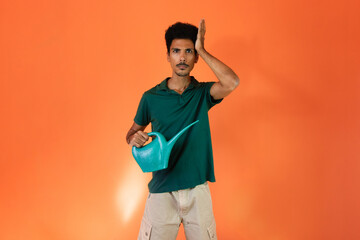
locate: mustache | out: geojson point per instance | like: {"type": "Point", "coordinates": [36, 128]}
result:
{"type": "Point", "coordinates": [182, 64]}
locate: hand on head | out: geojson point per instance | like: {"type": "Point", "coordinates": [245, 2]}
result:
{"type": "Point", "coordinates": [199, 44]}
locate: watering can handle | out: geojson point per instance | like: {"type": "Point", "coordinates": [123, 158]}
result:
{"type": "Point", "coordinates": [149, 134]}
{"type": "Point", "coordinates": [153, 134]}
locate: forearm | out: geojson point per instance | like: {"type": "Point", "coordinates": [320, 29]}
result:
{"type": "Point", "coordinates": [226, 76]}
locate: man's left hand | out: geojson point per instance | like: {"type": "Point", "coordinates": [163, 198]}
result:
{"type": "Point", "coordinates": [199, 44]}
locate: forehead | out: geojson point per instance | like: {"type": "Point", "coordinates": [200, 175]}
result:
{"type": "Point", "coordinates": [181, 43]}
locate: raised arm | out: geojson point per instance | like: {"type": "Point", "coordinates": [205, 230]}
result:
{"type": "Point", "coordinates": [136, 135]}
{"type": "Point", "coordinates": [228, 80]}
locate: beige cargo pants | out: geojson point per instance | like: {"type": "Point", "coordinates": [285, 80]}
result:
{"type": "Point", "coordinates": [164, 212]}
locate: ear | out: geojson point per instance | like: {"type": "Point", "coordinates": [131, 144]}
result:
{"type": "Point", "coordinates": [168, 56]}
{"type": "Point", "coordinates": [196, 57]}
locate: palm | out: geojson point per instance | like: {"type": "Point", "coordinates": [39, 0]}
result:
{"type": "Point", "coordinates": [199, 44]}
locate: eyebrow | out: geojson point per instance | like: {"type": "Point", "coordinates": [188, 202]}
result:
{"type": "Point", "coordinates": [185, 48]}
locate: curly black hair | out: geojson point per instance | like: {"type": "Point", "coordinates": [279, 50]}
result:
{"type": "Point", "coordinates": [180, 30]}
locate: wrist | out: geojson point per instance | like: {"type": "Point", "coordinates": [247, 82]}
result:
{"type": "Point", "coordinates": [201, 51]}
{"type": "Point", "coordinates": [129, 138]}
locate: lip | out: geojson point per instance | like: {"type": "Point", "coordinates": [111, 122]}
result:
{"type": "Point", "coordinates": [182, 66]}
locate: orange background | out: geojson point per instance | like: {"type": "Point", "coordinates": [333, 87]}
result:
{"type": "Point", "coordinates": [286, 142]}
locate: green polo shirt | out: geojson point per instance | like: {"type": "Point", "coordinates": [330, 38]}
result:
{"type": "Point", "coordinates": [191, 159]}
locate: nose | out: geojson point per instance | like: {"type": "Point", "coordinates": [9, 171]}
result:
{"type": "Point", "coordinates": [182, 57]}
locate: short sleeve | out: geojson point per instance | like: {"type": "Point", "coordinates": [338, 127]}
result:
{"type": "Point", "coordinates": [209, 99]}
{"type": "Point", "coordinates": [142, 116]}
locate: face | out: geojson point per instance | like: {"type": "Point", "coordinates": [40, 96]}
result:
{"type": "Point", "coordinates": [182, 56]}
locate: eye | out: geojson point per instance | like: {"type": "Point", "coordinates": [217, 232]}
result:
{"type": "Point", "coordinates": [175, 50]}
{"type": "Point", "coordinates": [189, 50]}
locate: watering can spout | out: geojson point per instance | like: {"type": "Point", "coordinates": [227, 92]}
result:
{"type": "Point", "coordinates": [173, 140]}
{"type": "Point", "coordinates": [155, 155]}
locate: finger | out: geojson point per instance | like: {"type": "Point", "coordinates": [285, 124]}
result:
{"type": "Point", "coordinates": [202, 26]}
{"type": "Point", "coordinates": [133, 143]}
{"type": "Point", "coordinates": [138, 137]}
{"type": "Point", "coordinates": [144, 135]}
{"type": "Point", "coordinates": [138, 142]}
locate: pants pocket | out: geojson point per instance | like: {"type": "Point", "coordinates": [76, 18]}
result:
{"type": "Point", "coordinates": [145, 230]}
{"type": "Point", "coordinates": [212, 231]}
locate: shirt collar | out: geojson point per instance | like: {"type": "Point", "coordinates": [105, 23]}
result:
{"type": "Point", "coordinates": [163, 84]}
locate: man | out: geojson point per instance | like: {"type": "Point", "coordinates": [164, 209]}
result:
{"type": "Point", "coordinates": [180, 193]}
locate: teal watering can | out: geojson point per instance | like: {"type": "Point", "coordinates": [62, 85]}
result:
{"type": "Point", "coordinates": [155, 155]}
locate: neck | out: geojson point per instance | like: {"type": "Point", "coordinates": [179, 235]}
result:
{"type": "Point", "coordinates": [178, 83]}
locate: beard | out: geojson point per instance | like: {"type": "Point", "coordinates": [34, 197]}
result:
{"type": "Point", "coordinates": [182, 74]}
